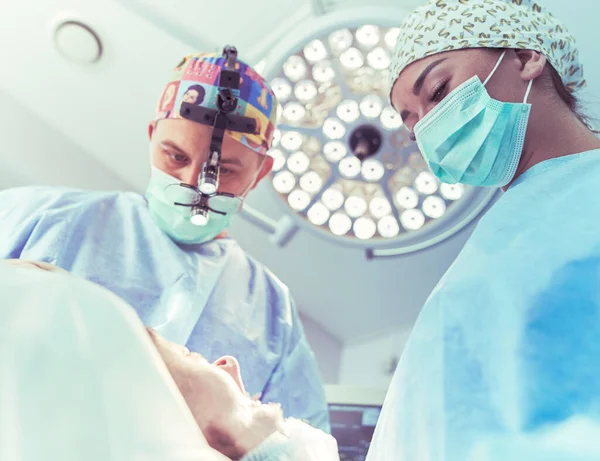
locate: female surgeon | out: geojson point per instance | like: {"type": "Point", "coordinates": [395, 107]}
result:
{"type": "Point", "coordinates": [190, 282]}
{"type": "Point", "coordinates": [504, 360]}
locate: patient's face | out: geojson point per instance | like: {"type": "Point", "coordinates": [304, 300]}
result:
{"type": "Point", "coordinates": [231, 421]}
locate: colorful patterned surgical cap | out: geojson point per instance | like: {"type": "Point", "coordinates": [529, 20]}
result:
{"type": "Point", "coordinates": [195, 80]}
{"type": "Point", "coordinates": [446, 25]}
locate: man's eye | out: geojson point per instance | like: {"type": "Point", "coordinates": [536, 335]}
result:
{"type": "Point", "coordinates": [179, 158]}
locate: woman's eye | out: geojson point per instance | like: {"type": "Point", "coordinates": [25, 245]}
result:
{"type": "Point", "coordinates": [438, 93]}
{"type": "Point", "coordinates": [225, 171]}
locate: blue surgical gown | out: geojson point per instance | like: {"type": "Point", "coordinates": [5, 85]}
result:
{"type": "Point", "coordinates": [212, 297]}
{"type": "Point", "coordinates": [503, 362]}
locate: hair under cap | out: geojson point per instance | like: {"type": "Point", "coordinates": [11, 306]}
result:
{"type": "Point", "coordinates": [195, 80]}
{"type": "Point", "coordinates": [447, 25]}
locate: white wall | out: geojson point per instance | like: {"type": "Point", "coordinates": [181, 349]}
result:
{"type": "Point", "coordinates": [32, 152]}
{"type": "Point", "coordinates": [327, 349]}
{"type": "Point", "coordinates": [369, 363]}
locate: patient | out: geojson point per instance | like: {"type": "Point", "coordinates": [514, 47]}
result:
{"type": "Point", "coordinates": [73, 354]}
{"type": "Point", "coordinates": [233, 422]}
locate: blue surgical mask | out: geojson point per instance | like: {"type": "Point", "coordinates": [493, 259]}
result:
{"type": "Point", "coordinates": [470, 138]}
{"type": "Point", "coordinates": [164, 191]}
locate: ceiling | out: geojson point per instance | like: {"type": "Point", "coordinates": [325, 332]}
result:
{"type": "Point", "coordinates": [85, 126]}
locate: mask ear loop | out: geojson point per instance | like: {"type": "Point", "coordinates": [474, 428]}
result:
{"type": "Point", "coordinates": [495, 67]}
{"type": "Point", "coordinates": [528, 90]}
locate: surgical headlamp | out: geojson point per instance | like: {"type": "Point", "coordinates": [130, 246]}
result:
{"type": "Point", "coordinates": [221, 120]}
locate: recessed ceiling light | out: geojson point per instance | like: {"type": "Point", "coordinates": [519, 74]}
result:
{"type": "Point", "coordinates": [77, 42]}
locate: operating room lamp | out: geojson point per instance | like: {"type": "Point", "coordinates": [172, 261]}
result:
{"type": "Point", "coordinates": [344, 166]}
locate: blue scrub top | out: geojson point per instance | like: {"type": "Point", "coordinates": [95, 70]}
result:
{"type": "Point", "coordinates": [504, 360]}
{"type": "Point", "coordinates": [212, 297]}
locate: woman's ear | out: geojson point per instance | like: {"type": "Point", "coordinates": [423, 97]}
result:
{"type": "Point", "coordinates": [532, 64]}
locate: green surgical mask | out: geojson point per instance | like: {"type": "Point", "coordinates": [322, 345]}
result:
{"type": "Point", "coordinates": [164, 191]}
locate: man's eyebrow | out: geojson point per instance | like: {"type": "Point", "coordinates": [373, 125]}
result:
{"type": "Point", "coordinates": [231, 161]}
{"type": "Point", "coordinates": [174, 146]}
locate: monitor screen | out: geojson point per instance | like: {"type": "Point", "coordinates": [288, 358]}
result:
{"type": "Point", "coordinates": [353, 427]}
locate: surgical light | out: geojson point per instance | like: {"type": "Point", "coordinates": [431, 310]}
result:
{"type": "Point", "coordinates": [355, 206]}
{"type": "Point", "coordinates": [371, 106]}
{"type": "Point", "coordinates": [298, 199]}
{"type": "Point", "coordinates": [305, 91]}
{"type": "Point", "coordinates": [350, 167]}
{"type": "Point", "coordinates": [282, 89]}
{"type": "Point", "coordinates": [380, 207]}
{"type": "Point", "coordinates": [311, 182]}
{"type": "Point", "coordinates": [364, 228]}
{"type": "Point", "coordinates": [452, 191]}
{"type": "Point", "coordinates": [434, 207]}
{"type": "Point", "coordinates": [333, 128]}
{"type": "Point", "coordinates": [318, 214]}
{"type": "Point", "coordinates": [291, 140]}
{"type": "Point", "coordinates": [372, 170]}
{"type": "Point", "coordinates": [334, 151]}
{"type": "Point", "coordinates": [348, 111]}
{"type": "Point", "coordinates": [298, 162]}
{"type": "Point", "coordinates": [333, 199]}
{"type": "Point", "coordinates": [352, 59]}
{"type": "Point", "coordinates": [340, 223]}
{"type": "Point", "coordinates": [315, 51]}
{"type": "Point", "coordinates": [412, 219]}
{"type": "Point", "coordinates": [343, 160]}
{"type": "Point", "coordinates": [295, 68]}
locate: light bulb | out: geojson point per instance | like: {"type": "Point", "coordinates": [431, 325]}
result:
{"type": "Point", "coordinates": [333, 199]}
{"type": "Point", "coordinates": [378, 59]}
{"type": "Point", "coordinates": [452, 191]}
{"type": "Point", "coordinates": [348, 111]}
{"type": "Point", "coordinates": [352, 59]}
{"type": "Point", "coordinates": [412, 219]}
{"type": "Point", "coordinates": [391, 37]}
{"type": "Point", "coordinates": [434, 207]}
{"type": "Point", "coordinates": [276, 137]}
{"type": "Point", "coordinates": [426, 183]}
{"type": "Point", "coordinates": [368, 35]}
{"type": "Point", "coordinates": [390, 119]}
{"type": "Point", "coordinates": [318, 214]}
{"type": "Point", "coordinates": [355, 206]}
{"type": "Point", "coordinates": [315, 51]}
{"type": "Point", "coordinates": [349, 167]}
{"type": "Point", "coordinates": [333, 128]}
{"type": "Point", "coordinates": [311, 182]}
{"type": "Point", "coordinates": [294, 111]}
{"type": "Point", "coordinates": [298, 162]}
{"type": "Point", "coordinates": [323, 72]}
{"type": "Point", "coordinates": [340, 40]}
{"type": "Point", "coordinates": [340, 223]}
{"type": "Point", "coordinates": [407, 198]}
{"type": "Point", "coordinates": [388, 227]}
{"type": "Point", "coordinates": [282, 89]}
{"type": "Point", "coordinates": [380, 207]}
{"type": "Point", "coordinates": [371, 106]}
{"type": "Point", "coordinates": [334, 151]}
{"type": "Point", "coordinates": [291, 140]}
{"type": "Point", "coordinates": [305, 90]}
{"type": "Point", "coordinates": [372, 170]}
{"type": "Point", "coordinates": [284, 182]}
{"type": "Point", "coordinates": [278, 159]}
{"type": "Point", "coordinates": [298, 199]}
{"type": "Point", "coordinates": [199, 220]}
{"type": "Point", "coordinates": [294, 68]}
{"type": "Point", "coordinates": [364, 228]}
